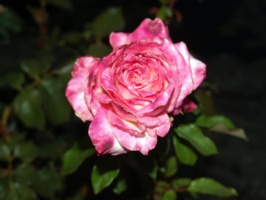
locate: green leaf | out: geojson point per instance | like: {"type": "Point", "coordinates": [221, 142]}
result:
{"type": "Point", "coordinates": [99, 50]}
{"type": "Point", "coordinates": [164, 12]}
{"type": "Point", "coordinates": [57, 108]}
{"type": "Point", "coordinates": [210, 121]}
{"type": "Point", "coordinates": [63, 4]}
{"type": "Point", "coordinates": [239, 132]}
{"type": "Point", "coordinates": [26, 151]}
{"type": "Point", "coordinates": [148, 165]}
{"type": "Point", "coordinates": [169, 195]}
{"type": "Point", "coordinates": [195, 137]}
{"type": "Point", "coordinates": [64, 72]}
{"type": "Point", "coordinates": [211, 187]}
{"type": "Point", "coordinates": [181, 182]}
{"type": "Point", "coordinates": [4, 184]}
{"type": "Point", "coordinates": [27, 106]}
{"type": "Point", "coordinates": [25, 174]}
{"type": "Point", "coordinates": [184, 153]}
{"type": "Point", "coordinates": [108, 21]}
{"type": "Point", "coordinates": [104, 173]}
{"type": "Point", "coordinates": [120, 187]}
{"type": "Point", "coordinates": [47, 182]}
{"type": "Point", "coordinates": [73, 158]}
{"type": "Point", "coordinates": [19, 192]}
{"type": "Point", "coordinates": [13, 79]}
{"type": "Point", "coordinates": [10, 22]}
{"type": "Point", "coordinates": [171, 167]}
{"type": "Point", "coordinates": [221, 124]}
{"type": "Point", "coordinates": [73, 37]}
{"type": "Point", "coordinates": [35, 67]}
{"type": "Point", "coordinates": [4, 151]}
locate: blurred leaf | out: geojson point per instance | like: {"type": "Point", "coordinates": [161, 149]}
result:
{"type": "Point", "coordinates": [50, 149]}
{"type": "Point", "coordinates": [47, 182]}
{"type": "Point", "coordinates": [64, 4]}
{"type": "Point", "coordinates": [25, 174]}
{"type": "Point", "coordinates": [210, 121]}
{"type": "Point", "coordinates": [10, 22]}
{"type": "Point", "coordinates": [108, 21]}
{"type": "Point", "coordinates": [99, 50]}
{"type": "Point", "coordinates": [171, 167]}
{"type": "Point", "coordinates": [169, 195]}
{"type": "Point", "coordinates": [210, 187]}
{"type": "Point", "coordinates": [27, 106]}
{"type": "Point", "coordinates": [164, 12]}
{"type": "Point", "coordinates": [73, 158]}
{"type": "Point", "coordinates": [205, 99]}
{"type": "Point", "coordinates": [73, 37]}
{"type": "Point", "coordinates": [35, 67]}
{"type": "Point", "coordinates": [185, 154]}
{"type": "Point", "coordinates": [120, 187]}
{"type": "Point", "coordinates": [13, 79]}
{"type": "Point", "coordinates": [4, 151]}
{"type": "Point", "coordinates": [17, 191]}
{"type": "Point", "coordinates": [4, 181]}
{"type": "Point", "coordinates": [239, 132]}
{"type": "Point", "coordinates": [222, 124]}
{"type": "Point", "coordinates": [56, 105]}
{"type": "Point", "coordinates": [64, 72]}
{"type": "Point", "coordinates": [104, 173]}
{"type": "Point", "coordinates": [181, 182]}
{"type": "Point", "coordinates": [195, 137]}
{"type": "Point", "coordinates": [153, 170]}
{"type": "Point", "coordinates": [17, 138]}
{"type": "Point", "coordinates": [147, 165]}
{"type": "Point", "coordinates": [26, 151]}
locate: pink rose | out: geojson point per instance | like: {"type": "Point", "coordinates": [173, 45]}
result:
{"type": "Point", "coordinates": [128, 94]}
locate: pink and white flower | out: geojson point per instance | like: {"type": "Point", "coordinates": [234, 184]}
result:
{"type": "Point", "coordinates": [129, 94]}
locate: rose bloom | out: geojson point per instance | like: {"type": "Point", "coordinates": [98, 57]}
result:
{"type": "Point", "coordinates": [129, 94]}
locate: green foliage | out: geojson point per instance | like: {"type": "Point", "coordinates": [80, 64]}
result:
{"type": "Point", "coordinates": [195, 137]}
{"type": "Point", "coordinates": [169, 195]}
{"type": "Point", "coordinates": [164, 12]}
{"type": "Point", "coordinates": [19, 192]}
{"type": "Point", "coordinates": [26, 151]}
{"type": "Point", "coordinates": [210, 187]}
{"type": "Point", "coordinates": [210, 121]}
{"type": "Point", "coordinates": [99, 50]}
{"type": "Point", "coordinates": [184, 153]}
{"type": "Point", "coordinates": [9, 23]}
{"type": "Point", "coordinates": [108, 21]}
{"type": "Point", "coordinates": [222, 124]}
{"type": "Point", "coordinates": [27, 107]}
{"type": "Point", "coordinates": [56, 106]}
{"type": "Point", "coordinates": [4, 151]}
{"type": "Point", "coordinates": [64, 4]}
{"type": "Point", "coordinates": [171, 167]}
{"type": "Point", "coordinates": [103, 174]}
{"type": "Point", "coordinates": [73, 158]}
{"type": "Point", "coordinates": [120, 187]}
{"type": "Point", "coordinates": [35, 67]}
{"type": "Point", "coordinates": [12, 79]}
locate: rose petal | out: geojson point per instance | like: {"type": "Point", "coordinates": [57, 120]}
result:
{"type": "Point", "coordinates": [75, 91]}
{"type": "Point", "coordinates": [102, 135]}
{"type": "Point", "coordinates": [156, 126]}
{"type": "Point", "coordinates": [198, 70]}
{"type": "Point", "coordinates": [84, 63]}
{"type": "Point", "coordinates": [188, 105]}
{"type": "Point", "coordinates": [192, 72]}
{"type": "Point", "coordinates": [143, 143]}
{"type": "Point", "coordinates": [148, 28]}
